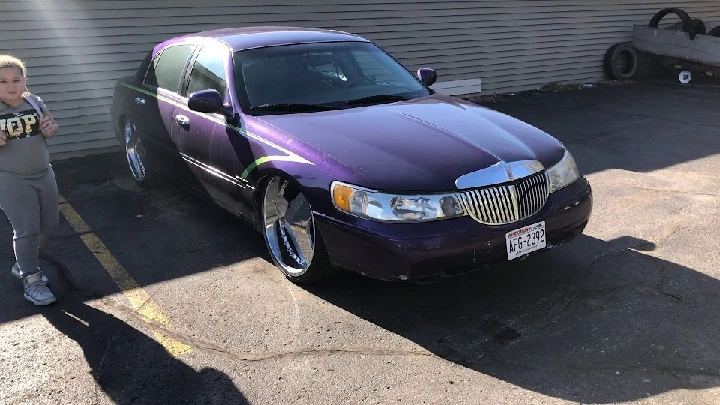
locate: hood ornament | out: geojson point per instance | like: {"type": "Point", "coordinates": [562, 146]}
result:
{"type": "Point", "coordinates": [500, 172]}
{"type": "Point", "coordinates": [509, 172]}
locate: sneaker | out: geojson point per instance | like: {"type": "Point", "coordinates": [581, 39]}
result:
{"type": "Point", "coordinates": [36, 291]}
{"type": "Point", "coordinates": [19, 274]}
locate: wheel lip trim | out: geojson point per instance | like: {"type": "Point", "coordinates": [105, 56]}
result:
{"type": "Point", "coordinates": [272, 241]}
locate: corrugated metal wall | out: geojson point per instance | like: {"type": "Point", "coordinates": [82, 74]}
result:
{"type": "Point", "coordinates": [76, 49]}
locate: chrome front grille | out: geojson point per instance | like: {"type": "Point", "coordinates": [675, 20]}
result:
{"type": "Point", "coordinates": [508, 203]}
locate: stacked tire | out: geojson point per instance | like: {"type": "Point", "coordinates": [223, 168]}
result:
{"type": "Point", "coordinates": [623, 62]}
{"type": "Point", "coordinates": [692, 27]}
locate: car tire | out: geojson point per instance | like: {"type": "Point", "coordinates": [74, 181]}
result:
{"type": "Point", "coordinates": [684, 17]}
{"type": "Point", "coordinates": [614, 56]}
{"type": "Point", "coordinates": [687, 23]}
{"type": "Point", "coordinates": [291, 237]}
{"type": "Point", "coordinates": [136, 156]}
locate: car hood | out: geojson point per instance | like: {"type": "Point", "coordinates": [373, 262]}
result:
{"type": "Point", "coordinates": [424, 144]}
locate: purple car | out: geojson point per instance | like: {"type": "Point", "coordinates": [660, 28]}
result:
{"type": "Point", "coordinates": [341, 157]}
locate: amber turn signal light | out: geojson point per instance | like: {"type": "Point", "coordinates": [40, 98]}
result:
{"type": "Point", "coordinates": [341, 196]}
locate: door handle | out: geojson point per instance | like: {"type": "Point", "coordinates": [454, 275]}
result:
{"type": "Point", "coordinates": [139, 100]}
{"type": "Point", "coordinates": [182, 120]}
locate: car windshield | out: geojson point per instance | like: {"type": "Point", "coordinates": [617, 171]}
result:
{"type": "Point", "coordinates": [321, 76]}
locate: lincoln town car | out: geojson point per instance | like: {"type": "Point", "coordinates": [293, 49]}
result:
{"type": "Point", "coordinates": [341, 157]}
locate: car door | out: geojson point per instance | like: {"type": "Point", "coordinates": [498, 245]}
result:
{"type": "Point", "coordinates": [155, 103]}
{"type": "Point", "coordinates": [206, 141]}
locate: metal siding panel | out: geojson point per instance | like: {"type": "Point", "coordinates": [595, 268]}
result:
{"type": "Point", "coordinates": [86, 146]}
{"type": "Point", "coordinates": [86, 45]}
{"type": "Point", "coordinates": [99, 133]}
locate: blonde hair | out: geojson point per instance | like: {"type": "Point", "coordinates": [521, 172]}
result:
{"type": "Point", "coordinates": [9, 61]}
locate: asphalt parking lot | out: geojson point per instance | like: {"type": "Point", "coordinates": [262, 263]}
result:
{"type": "Point", "coordinates": [165, 299]}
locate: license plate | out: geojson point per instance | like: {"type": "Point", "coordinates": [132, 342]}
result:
{"type": "Point", "coordinates": [525, 240]}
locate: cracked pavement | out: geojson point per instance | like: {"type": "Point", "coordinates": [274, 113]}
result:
{"type": "Point", "coordinates": [626, 313]}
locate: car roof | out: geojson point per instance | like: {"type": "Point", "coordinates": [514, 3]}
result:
{"type": "Point", "coordinates": [261, 36]}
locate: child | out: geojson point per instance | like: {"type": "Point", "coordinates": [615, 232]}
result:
{"type": "Point", "coordinates": [28, 191]}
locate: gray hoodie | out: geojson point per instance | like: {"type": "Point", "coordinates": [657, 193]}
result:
{"type": "Point", "coordinates": [25, 154]}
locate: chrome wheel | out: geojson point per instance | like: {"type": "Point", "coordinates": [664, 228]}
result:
{"type": "Point", "coordinates": [289, 228]}
{"type": "Point", "coordinates": [134, 152]}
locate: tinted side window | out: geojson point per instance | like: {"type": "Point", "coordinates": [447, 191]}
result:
{"type": "Point", "coordinates": [166, 70]}
{"type": "Point", "coordinates": [208, 72]}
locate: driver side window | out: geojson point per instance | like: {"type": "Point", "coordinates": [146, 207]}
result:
{"type": "Point", "coordinates": [208, 72]}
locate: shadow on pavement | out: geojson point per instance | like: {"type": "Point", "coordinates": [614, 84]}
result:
{"type": "Point", "coordinates": [160, 234]}
{"type": "Point", "coordinates": [592, 321]}
{"type": "Point", "coordinates": [132, 368]}
{"type": "Point", "coordinates": [638, 127]}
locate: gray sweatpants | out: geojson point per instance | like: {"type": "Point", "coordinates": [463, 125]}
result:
{"type": "Point", "coordinates": [31, 205]}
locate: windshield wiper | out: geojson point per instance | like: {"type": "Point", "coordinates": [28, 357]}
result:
{"type": "Point", "coordinates": [378, 98]}
{"type": "Point", "coordinates": [293, 107]}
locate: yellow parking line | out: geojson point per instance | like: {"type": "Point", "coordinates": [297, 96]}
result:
{"type": "Point", "coordinates": [139, 299]}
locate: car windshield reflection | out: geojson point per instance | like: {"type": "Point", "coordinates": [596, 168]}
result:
{"type": "Point", "coordinates": [330, 74]}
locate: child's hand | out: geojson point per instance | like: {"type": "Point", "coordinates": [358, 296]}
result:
{"type": "Point", "coordinates": [48, 126]}
{"type": "Point", "coordinates": [3, 138]}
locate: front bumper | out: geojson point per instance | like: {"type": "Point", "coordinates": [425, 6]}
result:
{"type": "Point", "coordinates": [447, 247]}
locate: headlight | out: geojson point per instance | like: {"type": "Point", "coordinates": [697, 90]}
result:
{"type": "Point", "coordinates": [386, 207]}
{"type": "Point", "coordinates": [563, 173]}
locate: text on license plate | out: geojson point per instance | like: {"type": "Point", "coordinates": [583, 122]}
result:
{"type": "Point", "coordinates": [525, 240]}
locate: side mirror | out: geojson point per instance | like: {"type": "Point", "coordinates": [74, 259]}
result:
{"type": "Point", "coordinates": [208, 101]}
{"type": "Point", "coordinates": [427, 76]}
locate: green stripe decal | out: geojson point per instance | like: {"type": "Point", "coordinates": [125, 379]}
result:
{"type": "Point", "coordinates": [291, 157]}
{"type": "Point", "coordinates": [266, 159]}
